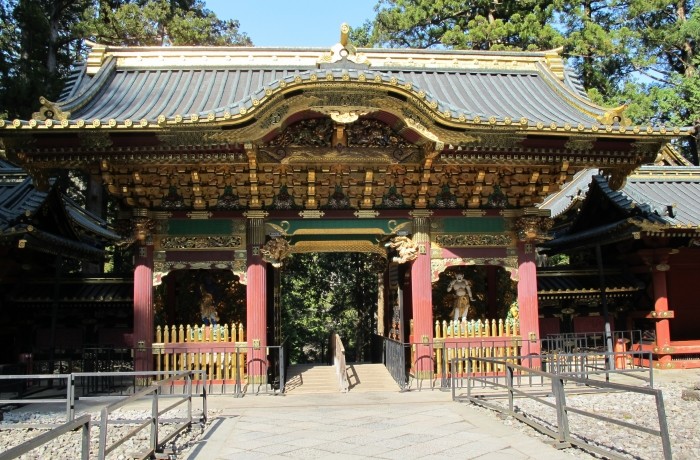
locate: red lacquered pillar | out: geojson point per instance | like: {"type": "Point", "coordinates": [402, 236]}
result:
{"type": "Point", "coordinates": [422, 298]}
{"type": "Point", "coordinates": [527, 302]}
{"type": "Point", "coordinates": [256, 303]}
{"type": "Point", "coordinates": [143, 308]}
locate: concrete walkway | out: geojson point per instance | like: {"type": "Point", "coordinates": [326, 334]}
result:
{"type": "Point", "coordinates": [394, 425]}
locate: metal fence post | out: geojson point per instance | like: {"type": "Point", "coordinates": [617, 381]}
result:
{"type": "Point", "coordinates": [468, 371]}
{"type": "Point", "coordinates": [562, 415]}
{"type": "Point", "coordinates": [85, 445]}
{"type": "Point", "coordinates": [102, 452]}
{"type": "Point", "coordinates": [509, 385]}
{"type": "Point", "coordinates": [282, 376]}
{"type": "Point", "coordinates": [154, 420]}
{"type": "Point", "coordinates": [663, 425]}
{"type": "Point", "coordinates": [70, 398]}
{"type": "Point", "coordinates": [188, 382]}
{"type": "Point", "coordinates": [445, 380]}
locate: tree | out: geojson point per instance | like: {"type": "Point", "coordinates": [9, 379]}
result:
{"type": "Point", "coordinates": [41, 39]}
{"type": "Point", "coordinates": [158, 23]}
{"type": "Point", "coordinates": [326, 292]}
{"type": "Point", "coordinates": [480, 25]}
{"type": "Point", "coordinates": [639, 52]}
{"type": "Point", "coordinates": [36, 51]}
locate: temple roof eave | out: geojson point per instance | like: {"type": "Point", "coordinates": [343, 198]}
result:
{"type": "Point", "coordinates": [437, 94]}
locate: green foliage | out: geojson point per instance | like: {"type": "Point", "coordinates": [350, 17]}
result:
{"type": "Point", "coordinates": [158, 23]}
{"type": "Point", "coordinates": [481, 24]}
{"type": "Point", "coordinates": [326, 292]}
{"type": "Point", "coordinates": [41, 39]}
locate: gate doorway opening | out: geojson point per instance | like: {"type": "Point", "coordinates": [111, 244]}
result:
{"type": "Point", "coordinates": [326, 292]}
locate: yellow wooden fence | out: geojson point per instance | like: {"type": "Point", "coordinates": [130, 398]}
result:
{"type": "Point", "coordinates": [472, 339]}
{"type": "Point", "coordinates": [220, 350]}
{"type": "Point", "coordinates": [477, 339]}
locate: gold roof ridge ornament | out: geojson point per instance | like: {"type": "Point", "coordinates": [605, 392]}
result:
{"type": "Point", "coordinates": [49, 111]}
{"type": "Point", "coordinates": [343, 50]}
{"type": "Point", "coordinates": [614, 116]}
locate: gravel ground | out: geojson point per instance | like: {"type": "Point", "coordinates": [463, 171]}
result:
{"type": "Point", "coordinates": [683, 419]}
{"type": "Point", "coordinates": [68, 446]}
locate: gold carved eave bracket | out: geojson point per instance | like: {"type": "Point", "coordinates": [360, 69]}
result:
{"type": "Point", "coordinates": [252, 154]}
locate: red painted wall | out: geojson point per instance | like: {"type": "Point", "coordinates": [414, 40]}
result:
{"type": "Point", "coordinates": [683, 279]}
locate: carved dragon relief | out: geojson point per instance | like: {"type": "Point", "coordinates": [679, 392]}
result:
{"type": "Point", "coordinates": [275, 251]}
{"type": "Point", "coordinates": [406, 249]}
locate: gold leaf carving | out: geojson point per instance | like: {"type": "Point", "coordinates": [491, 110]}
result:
{"type": "Point", "coordinates": [197, 242]}
{"type": "Point", "coordinates": [471, 240]}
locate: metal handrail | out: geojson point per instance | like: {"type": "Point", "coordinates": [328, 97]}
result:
{"type": "Point", "coordinates": [153, 422]}
{"type": "Point", "coordinates": [558, 390]}
{"type": "Point", "coordinates": [340, 364]}
{"type": "Point", "coordinates": [27, 446]}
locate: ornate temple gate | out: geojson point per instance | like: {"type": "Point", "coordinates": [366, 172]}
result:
{"type": "Point", "coordinates": [219, 151]}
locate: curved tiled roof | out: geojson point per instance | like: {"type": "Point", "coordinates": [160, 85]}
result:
{"type": "Point", "coordinates": [20, 200]}
{"type": "Point", "coordinates": [665, 197]}
{"type": "Point", "coordinates": [671, 195]}
{"type": "Point", "coordinates": [150, 93]}
{"type": "Point", "coordinates": [124, 87]}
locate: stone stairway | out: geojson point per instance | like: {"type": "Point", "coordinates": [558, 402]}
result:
{"type": "Point", "coordinates": [319, 378]}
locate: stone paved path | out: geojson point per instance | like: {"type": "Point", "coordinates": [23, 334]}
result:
{"type": "Point", "coordinates": [393, 425]}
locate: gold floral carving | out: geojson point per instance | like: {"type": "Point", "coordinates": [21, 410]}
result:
{"type": "Point", "coordinates": [469, 240]}
{"type": "Point", "coordinates": [338, 246]}
{"type": "Point", "coordinates": [162, 268]}
{"type": "Point", "coordinates": [500, 140]}
{"type": "Point", "coordinates": [439, 265]}
{"type": "Point", "coordinates": [200, 242]}
{"type": "Point", "coordinates": [335, 156]}
{"type": "Point", "coordinates": [142, 228]}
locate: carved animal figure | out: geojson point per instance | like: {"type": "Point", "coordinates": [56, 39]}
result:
{"type": "Point", "coordinates": [405, 247]}
{"type": "Point", "coordinates": [275, 251]}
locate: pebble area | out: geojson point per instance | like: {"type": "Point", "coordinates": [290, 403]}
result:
{"type": "Point", "coordinates": [68, 446]}
{"type": "Point", "coordinates": [681, 400]}
{"type": "Point", "coordinates": [681, 397]}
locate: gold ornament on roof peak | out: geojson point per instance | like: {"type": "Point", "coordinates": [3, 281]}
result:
{"type": "Point", "coordinates": [343, 50]}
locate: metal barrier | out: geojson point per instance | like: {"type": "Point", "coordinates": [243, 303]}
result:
{"type": "Point", "coordinates": [26, 447]}
{"type": "Point", "coordinates": [154, 392]}
{"type": "Point", "coordinates": [229, 366]}
{"type": "Point", "coordinates": [53, 381]}
{"type": "Point", "coordinates": [586, 364]}
{"type": "Point", "coordinates": [156, 389]}
{"type": "Point", "coordinates": [395, 361]}
{"type": "Point", "coordinates": [510, 383]}
{"type": "Point", "coordinates": [576, 341]}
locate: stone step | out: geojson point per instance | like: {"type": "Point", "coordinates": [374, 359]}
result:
{"type": "Point", "coordinates": [307, 379]}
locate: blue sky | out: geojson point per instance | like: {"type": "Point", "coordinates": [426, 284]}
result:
{"type": "Point", "coordinates": [295, 23]}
